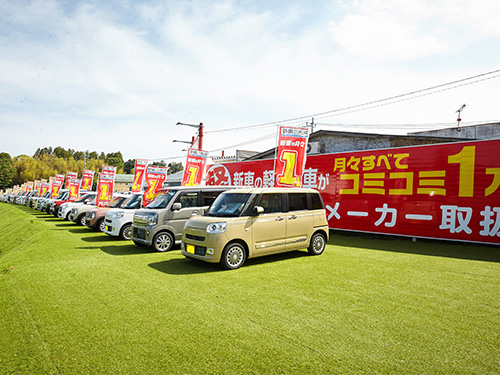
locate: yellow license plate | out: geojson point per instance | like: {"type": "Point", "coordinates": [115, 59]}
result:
{"type": "Point", "coordinates": [106, 228]}
{"type": "Point", "coordinates": [190, 248]}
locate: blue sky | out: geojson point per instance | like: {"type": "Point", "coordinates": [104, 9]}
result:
{"type": "Point", "coordinates": [118, 75]}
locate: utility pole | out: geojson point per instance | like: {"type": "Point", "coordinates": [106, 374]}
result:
{"type": "Point", "coordinates": [459, 111]}
{"type": "Point", "coordinates": [193, 139]}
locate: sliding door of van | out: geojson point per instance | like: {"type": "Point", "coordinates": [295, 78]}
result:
{"type": "Point", "coordinates": [269, 228]}
{"type": "Point", "coordinates": [299, 221]}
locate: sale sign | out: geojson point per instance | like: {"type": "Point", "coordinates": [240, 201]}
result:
{"type": "Point", "coordinates": [87, 180]}
{"type": "Point", "coordinates": [29, 186]}
{"type": "Point", "coordinates": [195, 166]}
{"type": "Point", "coordinates": [69, 177]}
{"type": "Point", "coordinates": [74, 189]}
{"type": "Point", "coordinates": [56, 185]}
{"type": "Point", "coordinates": [446, 191]}
{"type": "Point", "coordinates": [291, 156]}
{"type": "Point", "coordinates": [155, 177]}
{"type": "Point", "coordinates": [105, 186]}
{"type": "Point", "coordinates": [140, 167]}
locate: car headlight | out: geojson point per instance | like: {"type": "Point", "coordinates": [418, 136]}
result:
{"type": "Point", "coordinates": [153, 219]}
{"type": "Point", "coordinates": [117, 215]}
{"type": "Point", "coordinates": [216, 228]}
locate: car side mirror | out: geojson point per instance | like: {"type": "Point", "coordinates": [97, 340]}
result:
{"type": "Point", "coordinates": [176, 206]}
{"type": "Point", "coordinates": [257, 210]}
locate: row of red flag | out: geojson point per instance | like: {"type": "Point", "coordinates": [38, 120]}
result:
{"type": "Point", "coordinates": [289, 166]}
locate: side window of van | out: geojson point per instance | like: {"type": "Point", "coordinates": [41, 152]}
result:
{"type": "Point", "coordinates": [208, 197]}
{"type": "Point", "coordinates": [188, 199]}
{"type": "Point", "coordinates": [317, 202]}
{"type": "Point", "coordinates": [297, 201]}
{"type": "Point", "coordinates": [271, 202]}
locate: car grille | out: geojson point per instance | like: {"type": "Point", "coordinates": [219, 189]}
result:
{"type": "Point", "coordinates": [195, 238]}
{"type": "Point", "coordinates": [139, 233]}
{"type": "Point", "coordinates": [200, 250]}
{"type": "Point", "coordinates": [140, 220]}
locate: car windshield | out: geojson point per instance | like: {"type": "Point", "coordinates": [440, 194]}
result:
{"type": "Point", "coordinates": [63, 196]}
{"type": "Point", "coordinates": [161, 201]}
{"type": "Point", "coordinates": [117, 202]}
{"type": "Point", "coordinates": [133, 202]}
{"type": "Point", "coordinates": [228, 205]}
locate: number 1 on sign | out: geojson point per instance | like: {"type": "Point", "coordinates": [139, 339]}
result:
{"type": "Point", "coordinates": [290, 160]}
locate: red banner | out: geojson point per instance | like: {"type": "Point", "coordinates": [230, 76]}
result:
{"type": "Point", "coordinates": [56, 185]}
{"type": "Point", "coordinates": [74, 189]}
{"type": "Point", "coordinates": [44, 187]}
{"type": "Point", "coordinates": [140, 167]}
{"type": "Point", "coordinates": [29, 187]}
{"type": "Point", "coordinates": [87, 180]}
{"type": "Point", "coordinates": [105, 186]}
{"type": "Point", "coordinates": [448, 191]}
{"type": "Point", "coordinates": [155, 177]}
{"type": "Point", "coordinates": [195, 166]}
{"type": "Point", "coordinates": [69, 177]}
{"type": "Point", "coordinates": [291, 156]}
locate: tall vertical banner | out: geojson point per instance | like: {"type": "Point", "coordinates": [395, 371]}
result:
{"type": "Point", "coordinates": [195, 167]}
{"type": "Point", "coordinates": [74, 189]}
{"type": "Point", "coordinates": [44, 187]}
{"type": "Point", "coordinates": [69, 177]}
{"type": "Point", "coordinates": [87, 180]}
{"type": "Point", "coordinates": [29, 186]}
{"type": "Point", "coordinates": [38, 185]}
{"type": "Point", "coordinates": [105, 186]}
{"type": "Point", "coordinates": [155, 177]}
{"type": "Point", "coordinates": [56, 185]}
{"type": "Point", "coordinates": [140, 168]}
{"type": "Point", "coordinates": [291, 156]}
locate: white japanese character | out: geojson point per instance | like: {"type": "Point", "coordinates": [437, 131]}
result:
{"type": "Point", "coordinates": [452, 214]}
{"type": "Point", "coordinates": [310, 178]}
{"type": "Point", "coordinates": [238, 178]}
{"type": "Point", "coordinates": [486, 223]}
{"type": "Point", "coordinates": [385, 210]}
{"type": "Point", "coordinates": [249, 178]}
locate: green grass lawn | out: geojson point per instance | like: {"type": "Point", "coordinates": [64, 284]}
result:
{"type": "Point", "coordinates": [73, 301]}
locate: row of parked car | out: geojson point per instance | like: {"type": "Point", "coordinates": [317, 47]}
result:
{"type": "Point", "coordinates": [216, 224]}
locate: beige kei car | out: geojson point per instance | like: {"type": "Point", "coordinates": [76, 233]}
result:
{"type": "Point", "coordinates": [248, 223]}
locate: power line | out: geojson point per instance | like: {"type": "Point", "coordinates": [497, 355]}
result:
{"type": "Point", "coordinates": [376, 103]}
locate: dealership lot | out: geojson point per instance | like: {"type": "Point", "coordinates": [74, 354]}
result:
{"type": "Point", "coordinates": [76, 301]}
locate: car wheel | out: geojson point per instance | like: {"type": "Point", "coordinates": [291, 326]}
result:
{"type": "Point", "coordinates": [101, 225]}
{"type": "Point", "coordinates": [318, 244]}
{"type": "Point", "coordinates": [67, 216]}
{"type": "Point", "coordinates": [233, 256]}
{"type": "Point", "coordinates": [126, 233]}
{"type": "Point", "coordinates": [82, 220]}
{"type": "Point", "coordinates": [163, 241]}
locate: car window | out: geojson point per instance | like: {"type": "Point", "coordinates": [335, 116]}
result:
{"type": "Point", "coordinates": [271, 202]}
{"type": "Point", "coordinates": [317, 202]}
{"type": "Point", "coordinates": [297, 201]}
{"type": "Point", "coordinates": [209, 197]}
{"type": "Point", "coordinates": [189, 199]}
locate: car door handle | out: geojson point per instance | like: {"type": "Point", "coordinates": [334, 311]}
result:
{"type": "Point", "coordinates": [279, 218]}
{"type": "Point", "coordinates": [292, 217]}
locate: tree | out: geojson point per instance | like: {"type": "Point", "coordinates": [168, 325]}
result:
{"type": "Point", "coordinates": [115, 159]}
{"type": "Point", "coordinates": [6, 170]}
{"type": "Point", "coordinates": [174, 167]}
{"type": "Point", "coordinates": [160, 163]}
{"type": "Point", "coordinates": [128, 166]}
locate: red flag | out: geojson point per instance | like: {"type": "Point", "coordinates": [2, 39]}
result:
{"type": "Point", "coordinates": [291, 157]}
{"type": "Point", "coordinates": [195, 166]}
{"type": "Point", "coordinates": [140, 167]}
{"type": "Point", "coordinates": [155, 176]}
{"type": "Point", "coordinates": [87, 179]}
{"type": "Point", "coordinates": [105, 186]}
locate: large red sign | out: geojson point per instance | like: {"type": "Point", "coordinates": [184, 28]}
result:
{"type": "Point", "coordinates": [155, 177]}
{"type": "Point", "coordinates": [446, 191]}
{"type": "Point", "coordinates": [140, 167]}
{"type": "Point", "coordinates": [291, 156]}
